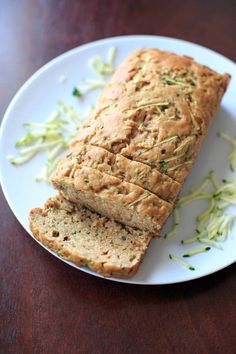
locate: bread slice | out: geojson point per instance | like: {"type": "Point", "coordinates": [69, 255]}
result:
{"type": "Point", "coordinates": [119, 166]}
{"type": "Point", "coordinates": [112, 197]}
{"type": "Point", "coordinates": [87, 239]}
{"type": "Point", "coordinates": [157, 110]}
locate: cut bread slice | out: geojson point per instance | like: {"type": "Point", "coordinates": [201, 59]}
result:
{"type": "Point", "coordinates": [119, 166]}
{"type": "Point", "coordinates": [114, 198]}
{"type": "Point", "coordinates": [88, 239]}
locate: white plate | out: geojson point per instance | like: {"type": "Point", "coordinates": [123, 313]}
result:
{"type": "Point", "coordinates": [38, 97]}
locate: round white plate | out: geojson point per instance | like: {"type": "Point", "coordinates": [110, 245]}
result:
{"type": "Point", "coordinates": [38, 98]}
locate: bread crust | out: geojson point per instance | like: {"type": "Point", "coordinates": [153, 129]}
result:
{"type": "Point", "coordinates": [110, 196]}
{"type": "Point", "coordinates": [119, 166]}
{"type": "Point", "coordinates": [157, 110]}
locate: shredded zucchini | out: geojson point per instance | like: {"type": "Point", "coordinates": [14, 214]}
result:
{"type": "Point", "coordinates": [173, 158]}
{"type": "Point", "coordinates": [143, 196]}
{"type": "Point", "coordinates": [53, 136]}
{"type": "Point", "coordinates": [102, 68]}
{"type": "Point", "coordinates": [175, 224]}
{"type": "Point", "coordinates": [183, 144]}
{"type": "Point", "coordinates": [232, 156]}
{"type": "Point", "coordinates": [195, 124]}
{"type": "Point", "coordinates": [167, 140]}
{"type": "Point", "coordinates": [197, 251]}
{"type": "Point", "coordinates": [181, 261]}
{"type": "Point", "coordinates": [210, 242]}
{"type": "Point", "coordinates": [189, 240]}
{"type": "Point", "coordinates": [181, 164]}
{"type": "Point", "coordinates": [214, 224]}
{"type": "Point", "coordinates": [175, 81]}
{"type": "Point", "coordinates": [147, 105]}
{"type": "Point", "coordinates": [50, 137]}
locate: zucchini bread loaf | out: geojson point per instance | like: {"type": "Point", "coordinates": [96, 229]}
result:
{"type": "Point", "coordinates": [153, 115]}
{"type": "Point", "coordinates": [85, 238]}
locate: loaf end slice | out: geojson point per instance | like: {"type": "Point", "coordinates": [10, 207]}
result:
{"type": "Point", "coordinates": [88, 239]}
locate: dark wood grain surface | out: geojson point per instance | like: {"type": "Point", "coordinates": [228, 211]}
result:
{"type": "Point", "coordinates": [45, 305]}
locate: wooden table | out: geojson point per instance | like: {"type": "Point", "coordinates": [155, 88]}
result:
{"type": "Point", "coordinates": [49, 307]}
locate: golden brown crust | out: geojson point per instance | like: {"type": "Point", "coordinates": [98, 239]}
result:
{"type": "Point", "coordinates": [119, 166]}
{"type": "Point", "coordinates": [40, 222]}
{"type": "Point", "coordinates": [109, 195]}
{"type": "Point", "coordinates": [156, 109]}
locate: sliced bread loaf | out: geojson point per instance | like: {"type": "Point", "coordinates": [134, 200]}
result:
{"type": "Point", "coordinates": [88, 239]}
{"type": "Point", "coordinates": [112, 197]}
{"type": "Point", "coordinates": [119, 166]}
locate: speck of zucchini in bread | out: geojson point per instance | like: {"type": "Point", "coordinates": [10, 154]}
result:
{"type": "Point", "coordinates": [132, 258]}
{"type": "Point", "coordinates": [143, 196]}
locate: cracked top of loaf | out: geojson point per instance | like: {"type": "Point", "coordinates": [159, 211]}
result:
{"type": "Point", "coordinates": [156, 109]}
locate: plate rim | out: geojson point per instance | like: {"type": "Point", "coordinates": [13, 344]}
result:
{"type": "Point", "coordinates": [47, 66]}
